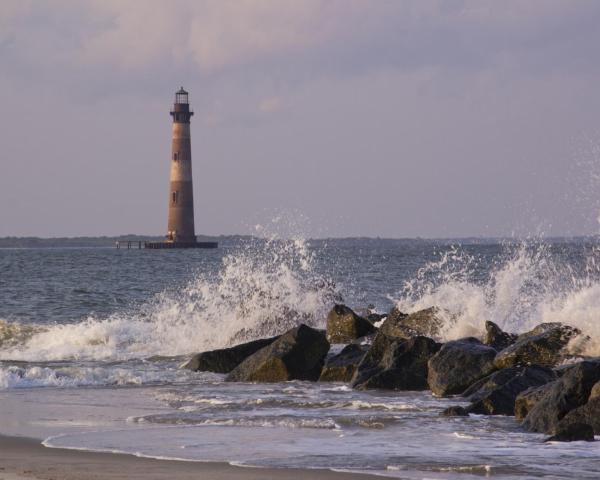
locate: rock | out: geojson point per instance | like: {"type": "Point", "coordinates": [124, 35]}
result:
{"type": "Point", "coordinates": [498, 392]}
{"type": "Point", "coordinates": [496, 338]}
{"type": "Point", "coordinates": [395, 364]}
{"type": "Point", "coordinates": [458, 365]}
{"type": "Point", "coordinates": [400, 325]}
{"type": "Point", "coordinates": [370, 314]}
{"type": "Point", "coordinates": [588, 414]}
{"type": "Point", "coordinates": [572, 432]}
{"type": "Point", "coordinates": [341, 367]}
{"type": "Point", "coordinates": [595, 392]}
{"type": "Point", "coordinates": [542, 345]}
{"type": "Point", "coordinates": [455, 411]}
{"type": "Point", "coordinates": [393, 327]}
{"type": "Point", "coordinates": [343, 325]}
{"type": "Point", "coordinates": [395, 314]}
{"type": "Point", "coordinates": [489, 383]}
{"type": "Point", "coordinates": [225, 360]}
{"type": "Point", "coordinates": [570, 391]}
{"type": "Point", "coordinates": [375, 317]}
{"type": "Point", "coordinates": [298, 354]}
{"type": "Point", "coordinates": [527, 399]}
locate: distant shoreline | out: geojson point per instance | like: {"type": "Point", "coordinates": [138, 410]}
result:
{"type": "Point", "coordinates": [110, 241]}
{"type": "Point", "coordinates": [102, 241]}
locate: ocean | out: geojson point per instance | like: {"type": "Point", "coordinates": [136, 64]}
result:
{"type": "Point", "coordinates": [92, 340]}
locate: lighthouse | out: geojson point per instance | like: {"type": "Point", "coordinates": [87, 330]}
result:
{"type": "Point", "coordinates": [180, 225]}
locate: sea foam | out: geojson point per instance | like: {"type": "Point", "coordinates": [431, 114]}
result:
{"type": "Point", "coordinates": [529, 285]}
{"type": "Point", "coordinates": [261, 289]}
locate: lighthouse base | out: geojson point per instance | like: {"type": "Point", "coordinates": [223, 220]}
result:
{"type": "Point", "coordinates": [161, 245]}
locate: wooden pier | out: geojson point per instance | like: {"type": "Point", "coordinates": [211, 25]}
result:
{"type": "Point", "coordinates": [181, 244]}
{"type": "Point", "coordinates": [139, 244]}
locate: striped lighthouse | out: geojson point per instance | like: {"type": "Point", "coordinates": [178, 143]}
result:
{"type": "Point", "coordinates": [180, 227]}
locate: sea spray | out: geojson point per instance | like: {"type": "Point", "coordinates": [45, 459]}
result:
{"type": "Point", "coordinates": [529, 283]}
{"type": "Point", "coordinates": [264, 287]}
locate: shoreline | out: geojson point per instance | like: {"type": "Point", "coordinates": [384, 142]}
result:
{"type": "Point", "coordinates": [26, 458]}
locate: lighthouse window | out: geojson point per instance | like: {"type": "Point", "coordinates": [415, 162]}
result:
{"type": "Point", "coordinates": [175, 196]}
{"type": "Point", "coordinates": [175, 156]}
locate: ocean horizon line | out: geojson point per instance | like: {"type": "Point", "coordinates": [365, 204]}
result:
{"type": "Point", "coordinates": [110, 240]}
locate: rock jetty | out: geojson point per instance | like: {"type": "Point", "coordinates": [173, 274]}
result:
{"type": "Point", "coordinates": [532, 376]}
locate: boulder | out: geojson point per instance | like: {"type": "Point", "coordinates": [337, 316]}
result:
{"type": "Point", "coordinates": [298, 354]}
{"type": "Point", "coordinates": [498, 392]}
{"type": "Point", "coordinates": [370, 314]}
{"type": "Point", "coordinates": [455, 411]}
{"type": "Point", "coordinates": [496, 338]}
{"type": "Point", "coordinates": [395, 314]}
{"type": "Point", "coordinates": [570, 391]}
{"type": "Point", "coordinates": [344, 326]}
{"type": "Point", "coordinates": [459, 364]}
{"type": "Point", "coordinates": [595, 392]}
{"type": "Point", "coordinates": [527, 399]}
{"type": "Point", "coordinates": [489, 383]}
{"type": "Point", "coordinates": [572, 432]}
{"type": "Point", "coordinates": [225, 360]}
{"type": "Point", "coordinates": [341, 367]}
{"type": "Point", "coordinates": [374, 317]}
{"type": "Point", "coordinates": [400, 325]}
{"type": "Point", "coordinates": [588, 414]}
{"type": "Point", "coordinates": [543, 345]}
{"type": "Point", "coordinates": [395, 364]}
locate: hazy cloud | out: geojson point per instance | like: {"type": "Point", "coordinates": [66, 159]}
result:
{"type": "Point", "coordinates": [384, 118]}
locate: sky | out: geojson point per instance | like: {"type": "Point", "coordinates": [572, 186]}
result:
{"type": "Point", "coordinates": [323, 118]}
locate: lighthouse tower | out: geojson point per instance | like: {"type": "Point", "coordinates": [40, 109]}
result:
{"type": "Point", "coordinates": [180, 227]}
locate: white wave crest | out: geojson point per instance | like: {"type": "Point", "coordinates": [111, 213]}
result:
{"type": "Point", "coordinates": [38, 376]}
{"type": "Point", "coordinates": [532, 284]}
{"type": "Point", "coordinates": [261, 290]}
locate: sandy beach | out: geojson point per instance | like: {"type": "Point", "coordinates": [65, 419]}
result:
{"type": "Point", "coordinates": [22, 458]}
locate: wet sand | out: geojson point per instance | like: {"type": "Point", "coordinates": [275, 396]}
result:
{"type": "Point", "coordinates": [25, 458]}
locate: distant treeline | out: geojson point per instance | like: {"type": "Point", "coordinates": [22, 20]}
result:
{"type": "Point", "coordinates": [36, 242]}
{"type": "Point", "coordinates": [224, 240]}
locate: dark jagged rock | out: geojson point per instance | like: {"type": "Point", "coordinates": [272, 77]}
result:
{"type": "Point", "coordinates": [395, 314]}
{"type": "Point", "coordinates": [375, 317]}
{"type": "Point", "coordinates": [395, 364]}
{"type": "Point", "coordinates": [572, 432]}
{"type": "Point", "coordinates": [393, 326]}
{"type": "Point", "coordinates": [298, 354]}
{"type": "Point", "coordinates": [341, 367]}
{"type": "Point", "coordinates": [588, 414]}
{"type": "Point", "coordinates": [458, 365]}
{"type": "Point", "coordinates": [498, 392]}
{"type": "Point", "coordinates": [224, 360]}
{"type": "Point", "coordinates": [595, 392]}
{"type": "Point", "coordinates": [527, 399]}
{"type": "Point", "coordinates": [370, 314]}
{"type": "Point", "coordinates": [542, 345]}
{"type": "Point", "coordinates": [496, 338]}
{"type": "Point", "coordinates": [343, 325]}
{"type": "Point", "coordinates": [570, 391]}
{"type": "Point", "coordinates": [400, 325]}
{"type": "Point", "coordinates": [489, 383]}
{"type": "Point", "coordinates": [455, 411]}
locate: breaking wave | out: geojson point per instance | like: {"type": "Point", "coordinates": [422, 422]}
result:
{"type": "Point", "coordinates": [264, 288]}
{"type": "Point", "coordinates": [21, 376]}
{"type": "Point", "coordinates": [531, 283]}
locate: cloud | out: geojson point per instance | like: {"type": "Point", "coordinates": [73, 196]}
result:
{"type": "Point", "coordinates": [463, 99]}
{"type": "Point", "coordinates": [270, 105]}
{"type": "Point", "coordinates": [320, 36]}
